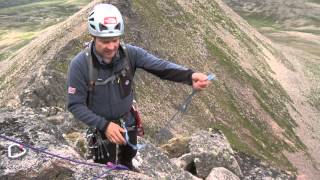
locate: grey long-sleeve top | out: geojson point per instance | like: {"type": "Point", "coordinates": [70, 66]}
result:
{"type": "Point", "coordinates": [107, 103]}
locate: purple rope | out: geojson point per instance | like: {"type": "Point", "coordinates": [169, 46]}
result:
{"type": "Point", "coordinates": [55, 155]}
{"type": "Point", "coordinates": [116, 166]}
{"type": "Point", "coordinates": [112, 167]}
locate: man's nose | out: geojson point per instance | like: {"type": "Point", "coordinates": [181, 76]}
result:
{"type": "Point", "coordinates": [110, 46]}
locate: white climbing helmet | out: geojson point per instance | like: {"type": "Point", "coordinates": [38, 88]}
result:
{"type": "Point", "coordinates": [105, 20]}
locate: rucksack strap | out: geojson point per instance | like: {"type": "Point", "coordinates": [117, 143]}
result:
{"type": "Point", "coordinates": [93, 71]}
{"type": "Point", "coordinates": [128, 66]}
{"type": "Point", "coordinates": [93, 74]}
{"type": "Point", "coordinates": [127, 63]}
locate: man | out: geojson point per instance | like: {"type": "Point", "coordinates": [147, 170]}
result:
{"type": "Point", "coordinates": [112, 101]}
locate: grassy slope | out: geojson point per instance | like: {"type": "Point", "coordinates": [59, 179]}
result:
{"type": "Point", "coordinates": [314, 1]}
{"type": "Point", "coordinates": [21, 21]}
{"type": "Point", "coordinates": [245, 131]}
{"type": "Point", "coordinates": [271, 28]}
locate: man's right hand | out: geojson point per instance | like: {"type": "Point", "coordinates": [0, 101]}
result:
{"type": "Point", "coordinates": [114, 133]}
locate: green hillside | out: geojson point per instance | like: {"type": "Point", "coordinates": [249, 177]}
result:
{"type": "Point", "coordinates": [246, 102]}
{"type": "Point", "coordinates": [177, 33]}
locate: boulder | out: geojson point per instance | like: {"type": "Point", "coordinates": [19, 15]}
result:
{"type": "Point", "coordinates": [221, 173]}
{"type": "Point", "coordinates": [209, 150]}
{"type": "Point", "coordinates": [176, 146]}
{"type": "Point", "coordinates": [153, 162]}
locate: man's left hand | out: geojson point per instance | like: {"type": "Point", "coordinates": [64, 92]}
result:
{"type": "Point", "coordinates": [200, 81]}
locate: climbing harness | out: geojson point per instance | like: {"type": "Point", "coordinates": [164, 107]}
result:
{"type": "Point", "coordinates": [98, 146]}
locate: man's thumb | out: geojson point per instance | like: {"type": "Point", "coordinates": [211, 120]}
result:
{"type": "Point", "coordinates": [122, 130]}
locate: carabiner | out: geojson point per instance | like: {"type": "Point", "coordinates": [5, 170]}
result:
{"type": "Point", "coordinates": [11, 155]}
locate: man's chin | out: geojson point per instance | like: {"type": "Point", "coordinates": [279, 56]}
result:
{"type": "Point", "coordinates": [107, 60]}
{"type": "Point", "coordinates": [108, 56]}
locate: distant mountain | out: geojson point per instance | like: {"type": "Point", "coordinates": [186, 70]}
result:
{"type": "Point", "coordinates": [284, 13]}
{"type": "Point", "coordinates": [22, 20]}
{"type": "Point", "coordinates": [294, 27]}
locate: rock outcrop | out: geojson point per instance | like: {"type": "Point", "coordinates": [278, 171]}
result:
{"type": "Point", "coordinates": [207, 154]}
{"type": "Point", "coordinates": [207, 151]}
{"type": "Point", "coordinates": [26, 126]}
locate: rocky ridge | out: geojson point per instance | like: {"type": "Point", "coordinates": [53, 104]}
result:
{"type": "Point", "coordinates": [247, 103]}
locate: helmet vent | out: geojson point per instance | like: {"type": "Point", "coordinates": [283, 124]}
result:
{"type": "Point", "coordinates": [118, 26]}
{"type": "Point", "coordinates": [91, 19]}
{"type": "Point", "coordinates": [91, 14]}
{"type": "Point", "coordinates": [102, 27]}
{"type": "Point", "coordinates": [93, 27]}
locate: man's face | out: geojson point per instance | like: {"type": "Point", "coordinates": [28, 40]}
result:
{"type": "Point", "coordinates": [107, 47]}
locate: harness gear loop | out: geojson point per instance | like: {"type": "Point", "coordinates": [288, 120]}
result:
{"type": "Point", "coordinates": [96, 144]}
{"type": "Point", "coordinates": [139, 126]}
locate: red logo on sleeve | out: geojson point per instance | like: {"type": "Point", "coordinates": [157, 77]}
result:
{"type": "Point", "coordinates": [71, 90]}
